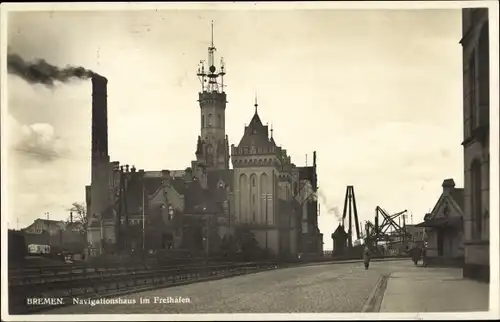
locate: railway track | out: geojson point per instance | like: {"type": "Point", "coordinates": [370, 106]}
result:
{"type": "Point", "coordinates": [113, 284]}
{"type": "Point", "coordinates": [100, 282]}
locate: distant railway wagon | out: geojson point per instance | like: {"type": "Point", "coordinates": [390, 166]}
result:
{"type": "Point", "coordinates": [38, 249]}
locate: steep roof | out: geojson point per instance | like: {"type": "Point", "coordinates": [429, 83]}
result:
{"type": "Point", "coordinates": [151, 185]}
{"type": "Point", "coordinates": [458, 196]}
{"type": "Point", "coordinates": [199, 200]}
{"type": "Point", "coordinates": [256, 134]}
{"type": "Point", "coordinates": [179, 185]}
{"type": "Point", "coordinates": [339, 232]}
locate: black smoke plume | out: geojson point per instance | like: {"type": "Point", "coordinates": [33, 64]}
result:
{"type": "Point", "coordinates": [41, 72]}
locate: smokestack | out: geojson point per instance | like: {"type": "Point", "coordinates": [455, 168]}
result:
{"type": "Point", "coordinates": [99, 118]}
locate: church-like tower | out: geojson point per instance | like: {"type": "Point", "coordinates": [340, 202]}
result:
{"type": "Point", "coordinates": [213, 147]}
{"type": "Point", "coordinates": [257, 165]}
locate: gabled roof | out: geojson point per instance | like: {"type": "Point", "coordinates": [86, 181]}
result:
{"type": "Point", "coordinates": [256, 134]}
{"type": "Point", "coordinates": [255, 122]}
{"type": "Point", "coordinates": [179, 185]}
{"type": "Point", "coordinates": [456, 199]}
{"type": "Point", "coordinates": [339, 232]}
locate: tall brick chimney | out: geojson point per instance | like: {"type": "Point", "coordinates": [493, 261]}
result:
{"type": "Point", "coordinates": [101, 168]}
{"type": "Point", "coordinates": [99, 118]}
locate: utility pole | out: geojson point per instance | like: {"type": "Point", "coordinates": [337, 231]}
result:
{"type": "Point", "coordinates": [102, 234]}
{"type": "Point", "coordinates": [143, 221]}
{"type": "Point", "coordinates": [208, 235]}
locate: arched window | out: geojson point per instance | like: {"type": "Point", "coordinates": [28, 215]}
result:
{"type": "Point", "coordinates": [253, 181]}
{"type": "Point", "coordinates": [209, 120]}
{"type": "Point", "coordinates": [476, 199]}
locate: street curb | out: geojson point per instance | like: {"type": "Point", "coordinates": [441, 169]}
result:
{"type": "Point", "coordinates": [375, 299]}
{"type": "Point", "coordinates": [349, 261]}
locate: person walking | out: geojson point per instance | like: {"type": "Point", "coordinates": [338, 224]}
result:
{"type": "Point", "coordinates": [424, 256]}
{"type": "Point", "coordinates": [366, 257]}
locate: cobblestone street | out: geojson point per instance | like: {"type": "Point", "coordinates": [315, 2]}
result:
{"type": "Point", "coordinates": [320, 289]}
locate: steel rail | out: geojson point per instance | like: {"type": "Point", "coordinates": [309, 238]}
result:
{"type": "Point", "coordinates": [99, 286]}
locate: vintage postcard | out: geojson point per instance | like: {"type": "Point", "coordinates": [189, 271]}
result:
{"type": "Point", "coordinates": [250, 161]}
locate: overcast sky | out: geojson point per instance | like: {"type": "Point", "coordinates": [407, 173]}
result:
{"type": "Point", "coordinates": [378, 95]}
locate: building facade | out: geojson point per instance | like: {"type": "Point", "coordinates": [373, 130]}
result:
{"type": "Point", "coordinates": [476, 106]}
{"type": "Point", "coordinates": [264, 191]}
{"type": "Point", "coordinates": [444, 227]}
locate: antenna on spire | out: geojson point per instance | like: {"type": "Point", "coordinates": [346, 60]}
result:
{"type": "Point", "coordinates": [272, 130]}
{"type": "Point", "coordinates": [209, 77]}
{"type": "Point", "coordinates": [256, 104]}
{"type": "Point", "coordinates": [212, 33]}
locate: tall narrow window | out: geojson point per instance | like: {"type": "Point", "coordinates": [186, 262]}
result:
{"type": "Point", "coordinates": [476, 199]}
{"type": "Point", "coordinates": [472, 91]}
{"type": "Point", "coordinates": [203, 121]}
{"type": "Point", "coordinates": [484, 74]}
{"type": "Point", "coordinates": [209, 120]}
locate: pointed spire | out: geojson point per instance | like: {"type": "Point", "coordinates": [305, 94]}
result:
{"type": "Point", "coordinates": [256, 104]}
{"type": "Point", "coordinates": [272, 130]}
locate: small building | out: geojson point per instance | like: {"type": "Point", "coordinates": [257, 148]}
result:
{"type": "Point", "coordinates": [39, 226]}
{"type": "Point", "coordinates": [339, 237]}
{"type": "Point", "coordinates": [443, 227]}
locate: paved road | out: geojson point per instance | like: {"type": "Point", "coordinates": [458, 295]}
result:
{"type": "Point", "coordinates": [315, 289]}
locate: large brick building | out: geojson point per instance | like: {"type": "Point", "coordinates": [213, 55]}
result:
{"type": "Point", "coordinates": [194, 208]}
{"type": "Point", "coordinates": [476, 106]}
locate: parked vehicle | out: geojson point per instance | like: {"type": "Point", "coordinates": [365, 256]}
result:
{"type": "Point", "coordinates": [35, 249]}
